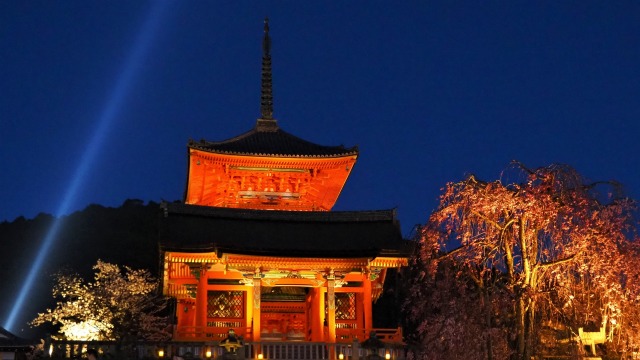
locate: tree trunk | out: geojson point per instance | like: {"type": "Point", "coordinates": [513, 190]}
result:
{"type": "Point", "coordinates": [488, 310]}
{"type": "Point", "coordinates": [529, 330]}
{"type": "Point", "coordinates": [520, 327]}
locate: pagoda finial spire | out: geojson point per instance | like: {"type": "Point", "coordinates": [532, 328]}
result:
{"type": "Point", "coordinates": [266, 96]}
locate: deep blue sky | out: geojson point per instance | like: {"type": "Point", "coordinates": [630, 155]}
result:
{"type": "Point", "coordinates": [430, 91]}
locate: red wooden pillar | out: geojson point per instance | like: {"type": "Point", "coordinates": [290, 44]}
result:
{"type": "Point", "coordinates": [248, 306]}
{"type": "Point", "coordinates": [360, 312]}
{"type": "Point", "coordinates": [367, 301]}
{"type": "Point", "coordinates": [331, 307]}
{"type": "Point", "coordinates": [317, 314]}
{"type": "Point", "coordinates": [331, 314]}
{"type": "Point", "coordinates": [201, 298]}
{"type": "Point", "coordinates": [257, 291]}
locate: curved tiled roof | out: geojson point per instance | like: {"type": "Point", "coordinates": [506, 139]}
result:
{"type": "Point", "coordinates": [267, 139]}
{"type": "Point", "coordinates": [11, 342]}
{"type": "Point", "coordinates": [342, 234]}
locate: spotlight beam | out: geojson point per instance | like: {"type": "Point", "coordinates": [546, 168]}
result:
{"type": "Point", "coordinates": [113, 104]}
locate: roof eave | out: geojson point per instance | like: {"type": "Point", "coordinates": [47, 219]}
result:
{"type": "Point", "coordinates": [349, 152]}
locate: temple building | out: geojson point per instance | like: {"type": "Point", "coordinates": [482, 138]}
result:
{"type": "Point", "coordinates": [13, 347]}
{"type": "Point", "coordinates": [255, 247]}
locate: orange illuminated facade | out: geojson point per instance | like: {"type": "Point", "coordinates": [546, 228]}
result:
{"type": "Point", "coordinates": [255, 247]}
{"type": "Point", "coordinates": [267, 168]}
{"type": "Point", "coordinates": [271, 298]}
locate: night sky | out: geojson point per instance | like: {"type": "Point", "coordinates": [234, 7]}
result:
{"type": "Point", "coordinates": [98, 99]}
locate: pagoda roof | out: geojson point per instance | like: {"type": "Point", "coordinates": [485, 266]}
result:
{"type": "Point", "coordinates": [307, 234]}
{"type": "Point", "coordinates": [267, 139]}
{"type": "Point", "coordinates": [11, 342]}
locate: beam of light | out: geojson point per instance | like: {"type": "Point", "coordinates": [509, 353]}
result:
{"type": "Point", "coordinates": [113, 104]}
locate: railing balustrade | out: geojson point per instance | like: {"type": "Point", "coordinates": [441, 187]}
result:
{"type": "Point", "coordinates": [207, 333]}
{"type": "Point", "coordinates": [343, 335]}
{"type": "Point", "coordinates": [385, 335]}
{"type": "Point", "coordinates": [191, 350]}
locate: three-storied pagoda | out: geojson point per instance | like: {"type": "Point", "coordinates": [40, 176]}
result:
{"type": "Point", "coordinates": [255, 247]}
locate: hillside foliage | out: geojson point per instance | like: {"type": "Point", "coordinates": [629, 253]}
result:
{"type": "Point", "coordinates": [125, 235]}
